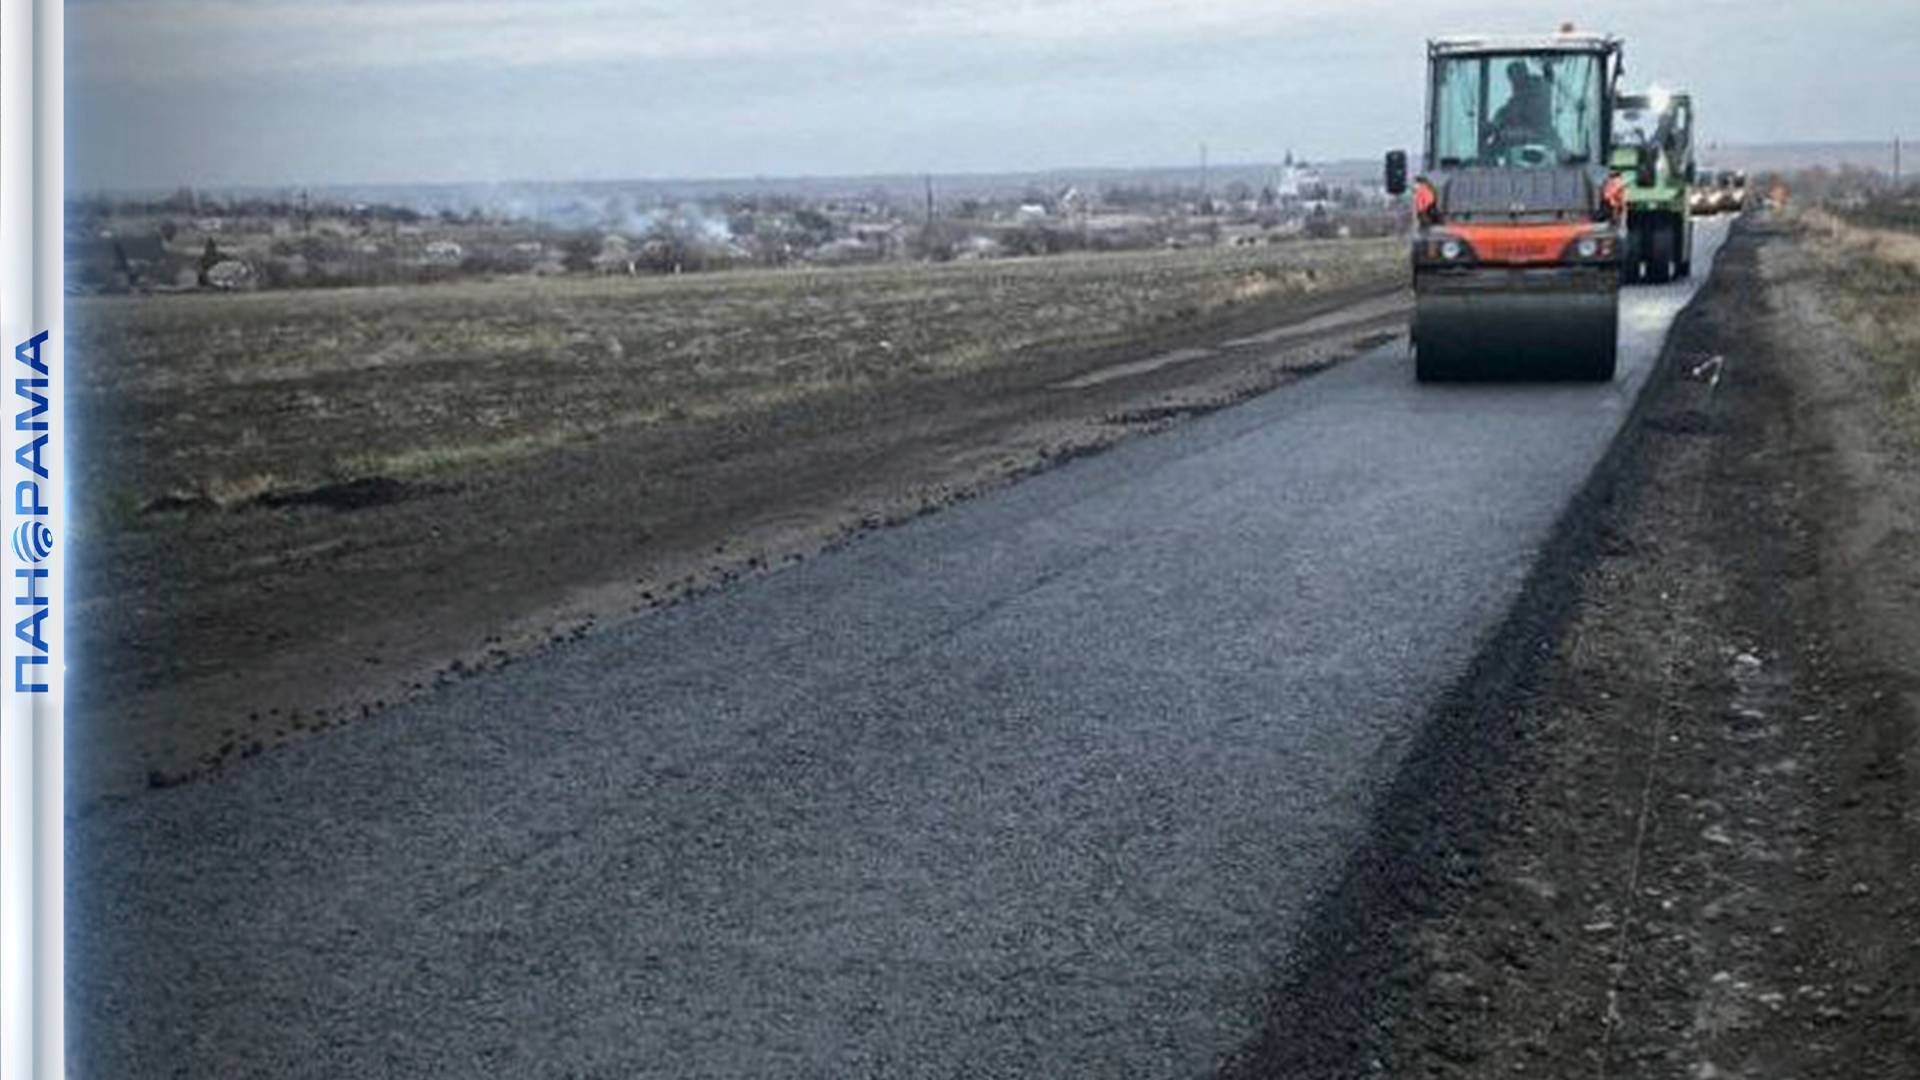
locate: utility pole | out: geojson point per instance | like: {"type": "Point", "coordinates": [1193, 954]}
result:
{"type": "Point", "coordinates": [929, 178]}
{"type": "Point", "coordinates": [1205, 203]}
{"type": "Point", "coordinates": [1896, 163]}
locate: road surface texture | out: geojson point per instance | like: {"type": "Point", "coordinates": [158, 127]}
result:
{"type": "Point", "coordinates": [1043, 785]}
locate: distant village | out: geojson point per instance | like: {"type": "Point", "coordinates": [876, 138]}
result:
{"type": "Point", "coordinates": [194, 241]}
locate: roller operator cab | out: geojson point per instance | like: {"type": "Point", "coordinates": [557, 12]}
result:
{"type": "Point", "coordinates": [1519, 221]}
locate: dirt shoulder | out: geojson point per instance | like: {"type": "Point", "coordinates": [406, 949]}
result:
{"type": "Point", "coordinates": [221, 621]}
{"type": "Point", "coordinates": [1700, 855]}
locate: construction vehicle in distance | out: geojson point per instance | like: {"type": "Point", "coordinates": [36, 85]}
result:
{"type": "Point", "coordinates": [1520, 222]}
{"type": "Point", "coordinates": [1733, 191]}
{"type": "Point", "coordinates": [1656, 124]}
{"type": "Point", "coordinates": [1703, 195]}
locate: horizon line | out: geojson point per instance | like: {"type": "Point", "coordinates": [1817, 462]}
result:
{"type": "Point", "coordinates": [761, 178]}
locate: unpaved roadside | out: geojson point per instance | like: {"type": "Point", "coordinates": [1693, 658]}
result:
{"type": "Point", "coordinates": [219, 633]}
{"type": "Point", "coordinates": [1703, 854]}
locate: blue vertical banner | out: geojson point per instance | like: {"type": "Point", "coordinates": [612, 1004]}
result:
{"type": "Point", "coordinates": [31, 685]}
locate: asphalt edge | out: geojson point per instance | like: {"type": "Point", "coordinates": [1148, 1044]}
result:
{"type": "Point", "coordinates": [1330, 1011]}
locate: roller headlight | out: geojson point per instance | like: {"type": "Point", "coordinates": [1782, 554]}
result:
{"type": "Point", "coordinates": [1450, 249]}
{"type": "Point", "coordinates": [1587, 248]}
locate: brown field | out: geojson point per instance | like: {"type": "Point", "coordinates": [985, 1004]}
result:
{"type": "Point", "coordinates": [302, 505]}
{"type": "Point", "coordinates": [218, 399]}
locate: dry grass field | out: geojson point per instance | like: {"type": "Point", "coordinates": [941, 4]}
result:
{"type": "Point", "coordinates": [1870, 279]}
{"type": "Point", "coordinates": [219, 399]}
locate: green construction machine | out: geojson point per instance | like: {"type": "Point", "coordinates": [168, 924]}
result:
{"type": "Point", "coordinates": [1653, 150]}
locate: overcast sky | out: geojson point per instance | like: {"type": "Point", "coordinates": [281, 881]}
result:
{"type": "Point", "coordinates": [162, 92]}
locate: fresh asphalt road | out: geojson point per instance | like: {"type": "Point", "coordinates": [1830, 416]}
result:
{"type": "Point", "coordinates": [1042, 785]}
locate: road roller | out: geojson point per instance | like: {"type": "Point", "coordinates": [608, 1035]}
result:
{"type": "Point", "coordinates": [1520, 221]}
{"type": "Point", "coordinates": [1656, 124]}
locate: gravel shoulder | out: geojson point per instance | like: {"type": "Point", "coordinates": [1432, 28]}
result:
{"type": "Point", "coordinates": [1675, 829]}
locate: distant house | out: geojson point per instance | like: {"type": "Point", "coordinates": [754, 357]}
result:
{"type": "Point", "coordinates": [444, 253]}
{"type": "Point", "coordinates": [230, 275]}
{"type": "Point", "coordinates": [842, 251]}
{"type": "Point", "coordinates": [885, 238]}
{"type": "Point", "coordinates": [978, 247]}
{"type": "Point", "coordinates": [616, 255]}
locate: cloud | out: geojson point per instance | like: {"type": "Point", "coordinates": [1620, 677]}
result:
{"type": "Point", "coordinates": [169, 91]}
{"type": "Point", "coordinates": [144, 41]}
{"type": "Point", "coordinates": [174, 40]}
